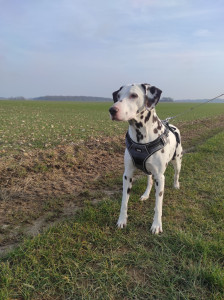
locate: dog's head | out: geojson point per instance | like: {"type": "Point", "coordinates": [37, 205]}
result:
{"type": "Point", "coordinates": [131, 99]}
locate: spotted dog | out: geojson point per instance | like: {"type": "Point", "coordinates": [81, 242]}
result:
{"type": "Point", "coordinates": [136, 103]}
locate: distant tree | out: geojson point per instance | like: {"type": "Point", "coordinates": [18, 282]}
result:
{"type": "Point", "coordinates": [18, 98]}
{"type": "Point", "coordinates": [166, 99]}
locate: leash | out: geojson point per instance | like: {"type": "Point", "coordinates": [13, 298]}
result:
{"type": "Point", "coordinates": [192, 108]}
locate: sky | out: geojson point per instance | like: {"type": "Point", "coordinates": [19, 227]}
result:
{"type": "Point", "coordinates": [91, 48]}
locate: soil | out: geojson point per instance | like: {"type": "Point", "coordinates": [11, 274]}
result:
{"type": "Point", "coordinates": [42, 187]}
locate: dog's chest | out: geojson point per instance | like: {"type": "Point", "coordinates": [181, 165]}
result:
{"type": "Point", "coordinates": [151, 152]}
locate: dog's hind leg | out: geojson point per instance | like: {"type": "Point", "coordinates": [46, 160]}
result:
{"type": "Point", "coordinates": [157, 220]}
{"type": "Point", "coordinates": [176, 162]}
{"type": "Point", "coordinates": [145, 196]}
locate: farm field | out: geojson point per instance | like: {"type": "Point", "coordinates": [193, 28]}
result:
{"type": "Point", "coordinates": [32, 124]}
{"type": "Point", "coordinates": [61, 166]}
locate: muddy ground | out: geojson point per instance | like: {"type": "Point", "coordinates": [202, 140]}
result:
{"type": "Point", "coordinates": [41, 187]}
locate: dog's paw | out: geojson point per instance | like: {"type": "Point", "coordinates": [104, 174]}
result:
{"type": "Point", "coordinates": [156, 227]}
{"type": "Point", "coordinates": [176, 185]}
{"type": "Point", "coordinates": [144, 197]}
{"type": "Point", "coordinates": [122, 222]}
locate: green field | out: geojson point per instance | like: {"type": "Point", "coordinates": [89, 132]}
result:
{"type": "Point", "coordinates": [32, 124]}
{"type": "Point", "coordinates": [86, 256]}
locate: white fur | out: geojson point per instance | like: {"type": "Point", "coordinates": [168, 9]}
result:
{"type": "Point", "coordinates": [136, 110]}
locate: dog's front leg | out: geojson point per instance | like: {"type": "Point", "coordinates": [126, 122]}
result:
{"type": "Point", "coordinates": [127, 184]}
{"type": "Point", "coordinates": [157, 220]}
{"type": "Point", "coordinates": [145, 196]}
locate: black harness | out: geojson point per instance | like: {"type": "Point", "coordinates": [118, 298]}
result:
{"type": "Point", "coordinates": [141, 152]}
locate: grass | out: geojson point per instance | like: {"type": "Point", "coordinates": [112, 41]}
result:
{"type": "Point", "coordinates": [89, 258]}
{"type": "Point", "coordinates": [46, 124]}
{"type": "Point", "coordinates": [33, 124]}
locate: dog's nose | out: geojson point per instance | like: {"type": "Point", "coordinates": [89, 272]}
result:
{"type": "Point", "coordinates": [113, 110]}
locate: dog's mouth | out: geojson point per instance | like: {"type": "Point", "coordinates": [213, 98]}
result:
{"type": "Point", "coordinates": [118, 118]}
{"type": "Point", "coordinates": [115, 118]}
{"type": "Point", "coordinates": [119, 115]}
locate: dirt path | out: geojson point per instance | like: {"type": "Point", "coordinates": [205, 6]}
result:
{"type": "Point", "coordinates": [39, 188]}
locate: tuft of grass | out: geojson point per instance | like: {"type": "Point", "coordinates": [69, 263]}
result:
{"type": "Point", "coordinates": [89, 258]}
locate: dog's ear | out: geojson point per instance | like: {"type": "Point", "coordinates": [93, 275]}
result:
{"type": "Point", "coordinates": [115, 94]}
{"type": "Point", "coordinates": [152, 95]}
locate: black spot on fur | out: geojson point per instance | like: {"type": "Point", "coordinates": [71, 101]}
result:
{"type": "Point", "coordinates": [160, 194]}
{"type": "Point", "coordinates": [137, 111]}
{"type": "Point", "coordinates": [125, 177]}
{"type": "Point", "coordinates": [139, 135]}
{"type": "Point", "coordinates": [144, 87]}
{"type": "Point", "coordinates": [156, 182]}
{"type": "Point", "coordinates": [162, 150]}
{"type": "Point", "coordinates": [148, 101]}
{"type": "Point", "coordinates": [141, 117]}
{"type": "Point", "coordinates": [174, 156]}
{"type": "Point", "coordinates": [148, 116]}
{"type": "Point", "coordinates": [156, 94]}
{"type": "Point", "coordinates": [154, 119]}
{"type": "Point", "coordinates": [159, 127]}
{"type": "Point", "coordinates": [139, 124]}
{"type": "Point", "coordinates": [152, 89]}
{"type": "Point", "coordinates": [115, 94]}
{"type": "Point", "coordinates": [128, 190]}
{"type": "Point", "coordinates": [130, 179]}
{"type": "Point", "coordinates": [155, 130]}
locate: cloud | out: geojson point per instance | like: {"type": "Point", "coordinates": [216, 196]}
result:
{"type": "Point", "coordinates": [202, 33]}
{"type": "Point", "coordinates": [157, 3]}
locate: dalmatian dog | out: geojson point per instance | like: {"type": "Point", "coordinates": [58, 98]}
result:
{"type": "Point", "coordinates": [135, 103]}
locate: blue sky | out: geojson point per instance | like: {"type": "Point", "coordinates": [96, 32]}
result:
{"type": "Point", "coordinates": [84, 47]}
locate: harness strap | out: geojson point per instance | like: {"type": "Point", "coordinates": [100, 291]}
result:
{"type": "Point", "coordinates": [172, 129]}
{"type": "Point", "coordinates": [141, 152]}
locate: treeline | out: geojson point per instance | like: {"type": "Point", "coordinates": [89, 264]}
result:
{"type": "Point", "coordinates": [73, 98]}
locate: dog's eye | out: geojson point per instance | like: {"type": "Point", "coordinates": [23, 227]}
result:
{"type": "Point", "coordinates": [133, 96]}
